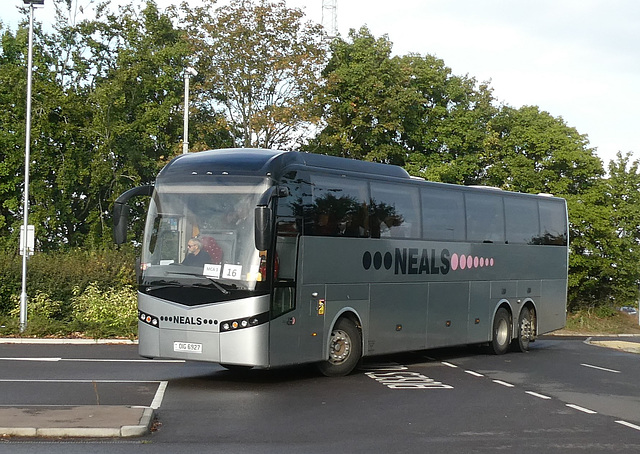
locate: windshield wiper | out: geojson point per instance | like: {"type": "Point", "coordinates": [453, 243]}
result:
{"type": "Point", "coordinates": [216, 284]}
{"type": "Point", "coordinates": [163, 284]}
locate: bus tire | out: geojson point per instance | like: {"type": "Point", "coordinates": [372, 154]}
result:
{"type": "Point", "coordinates": [501, 332]}
{"type": "Point", "coordinates": [345, 349]}
{"type": "Point", "coordinates": [525, 331]}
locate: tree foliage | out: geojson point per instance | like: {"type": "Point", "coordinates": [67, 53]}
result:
{"type": "Point", "coordinates": [262, 64]}
{"type": "Point", "coordinates": [409, 111]}
{"type": "Point", "coordinates": [106, 116]}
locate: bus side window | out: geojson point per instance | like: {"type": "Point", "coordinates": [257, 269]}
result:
{"type": "Point", "coordinates": [286, 247]}
{"type": "Point", "coordinates": [285, 274]}
{"type": "Point", "coordinates": [553, 226]}
{"type": "Point", "coordinates": [442, 215]}
{"type": "Point", "coordinates": [485, 217]}
{"type": "Point", "coordinates": [283, 301]}
{"type": "Point", "coordinates": [394, 211]}
{"type": "Point", "coordinates": [522, 220]}
{"type": "Point", "coordinates": [339, 207]}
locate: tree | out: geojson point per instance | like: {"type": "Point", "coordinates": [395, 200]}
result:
{"type": "Point", "coordinates": [621, 212]}
{"type": "Point", "coordinates": [13, 75]}
{"type": "Point", "coordinates": [361, 99]}
{"type": "Point", "coordinates": [12, 99]}
{"type": "Point", "coordinates": [262, 64]}
{"type": "Point", "coordinates": [528, 150]}
{"type": "Point", "coordinates": [107, 115]}
{"type": "Point", "coordinates": [410, 110]}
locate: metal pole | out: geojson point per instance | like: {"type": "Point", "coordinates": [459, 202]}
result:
{"type": "Point", "coordinates": [185, 141]}
{"type": "Point", "coordinates": [27, 152]}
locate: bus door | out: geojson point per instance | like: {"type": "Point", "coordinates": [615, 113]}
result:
{"type": "Point", "coordinates": [291, 335]}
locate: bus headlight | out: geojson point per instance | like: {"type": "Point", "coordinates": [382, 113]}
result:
{"type": "Point", "coordinates": [148, 319]}
{"type": "Point", "coordinates": [241, 323]}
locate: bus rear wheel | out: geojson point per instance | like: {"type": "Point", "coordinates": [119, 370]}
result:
{"type": "Point", "coordinates": [525, 330]}
{"type": "Point", "coordinates": [345, 349]}
{"type": "Point", "coordinates": [501, 332]}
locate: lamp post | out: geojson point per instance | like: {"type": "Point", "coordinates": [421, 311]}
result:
{"type": "Point", "coordinates": [185, 142]}
{"type": "Point", "coordinates": [27, 152]}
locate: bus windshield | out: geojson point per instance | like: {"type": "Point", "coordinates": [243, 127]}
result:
{"type": "Point", "coordinates": [202, 235]}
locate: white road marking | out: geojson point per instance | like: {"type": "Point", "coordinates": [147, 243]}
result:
{"type": "Point", "coordinates": [628, 424]}
{"type": "Point", "coordinates": [534, 394]}
{"type": "Point", "coordinates": [504, 383]}
{"type": "Point", "coordinates": [475, 374]}
{"type": "Point", "coordinates": [157, 399]}
{"type": "Point", "coordinates": [601, 368]}
{"type": "Point", "coordinates": [449, 364]}
{"type": "Point", "coordinates": [13, 380]}
{"type": "Point", "coordinates": [406, 380]}
{"type": "Point", "coordinates": [582, 409]}
{"type": "Point", "coordinates": [95, 360]}
{"type": "Point", "coordinates": [32, 359]}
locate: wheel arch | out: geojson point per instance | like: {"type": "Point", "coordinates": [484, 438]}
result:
{"type": "Point", "coordinates": [503, 303]}
{"type": "Point", "coordinates": [351, 314]}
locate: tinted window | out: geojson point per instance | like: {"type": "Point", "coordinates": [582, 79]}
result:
{"type": "Point", "coordinates": [485, 217]}
{"type": "Point", "coordinates": [522, 220]}
{"type": "Point", "coordinates": [553, 222]}
{"type": "Point", "coordinates": [394, 211]}
{"type": "Point", "coordinates": [338, 207]}
{"type": "Point", "coordinates": [442, 215]}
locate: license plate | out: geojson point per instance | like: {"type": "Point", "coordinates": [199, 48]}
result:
{"type": "Point", "coordinates": [188, 347]}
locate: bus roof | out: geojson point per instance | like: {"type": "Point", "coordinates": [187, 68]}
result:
{"type": "Point", "coordinates": [261, 162]}
{"type": "Point", "coordinates": [274, 163]}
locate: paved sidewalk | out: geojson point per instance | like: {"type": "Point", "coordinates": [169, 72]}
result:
{"type": "Point", "coordinates": [92, 421]}
{"type": "Point", "coordinates": [75, 421]}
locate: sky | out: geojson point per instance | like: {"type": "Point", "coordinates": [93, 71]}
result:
{"type": "Point", "coordinates": [576, 59]}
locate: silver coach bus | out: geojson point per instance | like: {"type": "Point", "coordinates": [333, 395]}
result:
{"type": "Point", "coordinates": [312, 258]}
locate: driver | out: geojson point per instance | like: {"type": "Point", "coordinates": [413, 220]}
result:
{"type": "Point", "coordinates": [196, 255]}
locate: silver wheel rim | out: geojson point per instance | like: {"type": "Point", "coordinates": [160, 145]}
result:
{"type": "Point", "coordinates": [525, 329]}
{"type": "Point", "coordinates": [502, 333]}
{"type": "Point", "coordinates": [340, 347]}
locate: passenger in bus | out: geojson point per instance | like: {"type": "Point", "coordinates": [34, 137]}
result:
{"type": "Point", "coordinates": [196, 255]}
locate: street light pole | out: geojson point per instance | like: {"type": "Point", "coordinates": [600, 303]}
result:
{"type": "Point", "coordinates": [27, 152]}
{"type": "Point", "coordinates": [185, 142]}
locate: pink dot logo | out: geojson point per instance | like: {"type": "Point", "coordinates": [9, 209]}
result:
{"type": "Point", "coordinates": [454, 262]}
{"type": "Point", "coordinates": [468, 262]}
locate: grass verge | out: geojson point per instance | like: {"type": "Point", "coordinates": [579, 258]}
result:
{"type": "Point", "coordinates": [598, 322]}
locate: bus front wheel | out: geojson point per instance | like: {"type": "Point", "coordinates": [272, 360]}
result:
{"type": "Point", "coordinates": [345, 349]}
{"type": "Point", "coordinates": [501, 332]}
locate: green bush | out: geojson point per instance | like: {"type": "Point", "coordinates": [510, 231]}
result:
{"type": "Point", "coordinates": [58, 273]}
{"type": "Point", "coordinates": [10, 279]}
{"type": "Point", "coordinates": [41, 305]}
{"type": "Point", "coordinates": [43, 317]}
{"type": "Point", "coordinates": [106, 313]}
{"type": "Point", "coordinates": [70, 293]}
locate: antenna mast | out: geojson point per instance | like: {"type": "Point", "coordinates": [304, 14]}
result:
{"type": "Point", "coordinates": [330, 17]}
